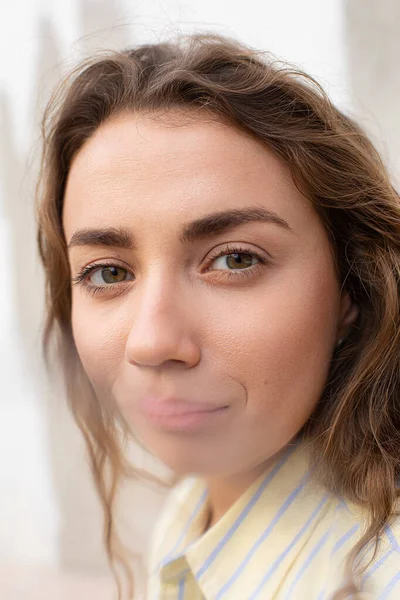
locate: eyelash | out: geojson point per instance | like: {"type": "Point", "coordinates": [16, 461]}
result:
{"type": "Point", "coordinates": [82, 276]}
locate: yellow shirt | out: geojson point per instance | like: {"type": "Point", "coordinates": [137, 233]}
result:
{"type": "Point", "coordinates": [285, 538]}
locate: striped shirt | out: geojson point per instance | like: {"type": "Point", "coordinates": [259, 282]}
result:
{"type": "Point", "coordinates": [284, 538]}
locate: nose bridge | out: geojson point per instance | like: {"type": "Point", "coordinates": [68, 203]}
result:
{"type": "Point", "coordinates": [158, 293]}
{"type": "Point", "coordinates": [160, 326]}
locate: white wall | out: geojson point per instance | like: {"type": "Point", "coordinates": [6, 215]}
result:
{"type": "Point", "coordinates": [373, 51]}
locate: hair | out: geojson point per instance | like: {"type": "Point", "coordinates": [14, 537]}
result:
{"type": "Point", "coordinates": [354, 432]}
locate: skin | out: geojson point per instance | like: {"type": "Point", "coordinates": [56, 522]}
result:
{"type": "Point", "coordinates": [177, 326]}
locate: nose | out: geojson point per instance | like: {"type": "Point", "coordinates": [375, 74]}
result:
{"type": "Point", "coordinates": [162, 327]}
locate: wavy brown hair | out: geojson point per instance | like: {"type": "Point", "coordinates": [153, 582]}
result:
{"type": "Point", "coordinates": [354, 433]}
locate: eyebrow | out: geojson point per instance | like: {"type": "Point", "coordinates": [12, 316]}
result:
{"type": "Point", "coordinates": [203, 228]}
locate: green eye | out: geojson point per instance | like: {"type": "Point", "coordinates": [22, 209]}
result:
{"type": "Point", "coordinates": [108, 275]}
{"type": "Point", "coordinates": [241, 260]}
{"type": "Point", "coordinates": [234, 261]}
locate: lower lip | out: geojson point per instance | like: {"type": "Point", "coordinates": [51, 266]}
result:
{"type": "Point", "coordinates": [186, 421]}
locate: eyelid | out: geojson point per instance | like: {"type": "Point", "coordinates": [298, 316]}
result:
{"type": "Point", "coordinates": [240, 247]}
{"type": "Point", "coordinates": [110, 261]}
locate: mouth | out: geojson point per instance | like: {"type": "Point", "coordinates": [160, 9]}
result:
{"type": "Point", "coordinates": [179, 415]}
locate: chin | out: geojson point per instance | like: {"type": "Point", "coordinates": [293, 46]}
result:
{"type": "Point", "coordinates": [186, 468]}
{"type": "Point", "coordinates": [185, 464]}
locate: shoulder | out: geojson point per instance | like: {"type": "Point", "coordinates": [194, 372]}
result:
{"type": "Point", "coordinates": [381, 577]}
{"type": "Point", "coordinates": [340, 528]}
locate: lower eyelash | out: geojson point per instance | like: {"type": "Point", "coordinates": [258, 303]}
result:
{"type": "Point", "coordinates": [99, 290]}
{"type": "Point", "coordinates": [94, 289]}
{"type": "Point", "coordinates": [240, 274]}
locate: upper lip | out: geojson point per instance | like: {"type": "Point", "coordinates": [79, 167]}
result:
{"type": "Point", "coordinates": [176, 406]}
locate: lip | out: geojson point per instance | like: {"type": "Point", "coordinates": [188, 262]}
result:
{"type": "Point", "coordinates": [180, 415]}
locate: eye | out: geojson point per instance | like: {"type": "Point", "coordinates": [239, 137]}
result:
{"type": "Point", "coordinates": [235, 260]}
{"type": "Point", "coordinates": [108, 275]}
{"type": "Point", "coordinates": [235, 263]}
{"type": "Point", "coordinates": [99, 277]}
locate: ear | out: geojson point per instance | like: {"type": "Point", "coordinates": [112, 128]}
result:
{"type": "Point", "coordinates": [348, 313]}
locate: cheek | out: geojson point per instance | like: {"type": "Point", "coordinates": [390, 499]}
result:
{"type": "Point", "coordinates": [280, 345]}
{"type": "Point", "coordinates": [100, 342]}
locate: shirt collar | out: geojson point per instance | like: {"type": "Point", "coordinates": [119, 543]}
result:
{"type": "Point", "coordinates": [256, 515]}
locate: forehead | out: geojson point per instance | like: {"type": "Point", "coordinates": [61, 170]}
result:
{"type": "Point", "coordinates": [140, 169]}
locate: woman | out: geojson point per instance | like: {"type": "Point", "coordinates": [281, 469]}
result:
{"type": "Point", "coordinates": [222, 253]}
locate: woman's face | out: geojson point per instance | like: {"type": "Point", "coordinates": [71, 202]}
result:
{"type": "Point", "coordinates": [200, 274]}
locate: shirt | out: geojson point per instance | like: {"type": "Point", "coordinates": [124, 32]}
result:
{"type": "Point", "coordinates": [285, 538]}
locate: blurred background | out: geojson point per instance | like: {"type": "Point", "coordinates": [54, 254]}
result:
{"type": "Point", "coordinates": [50, 518]}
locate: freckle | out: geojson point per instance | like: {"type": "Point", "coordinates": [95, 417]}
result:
{"type": "Point", "coordinates": [265, 382]}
